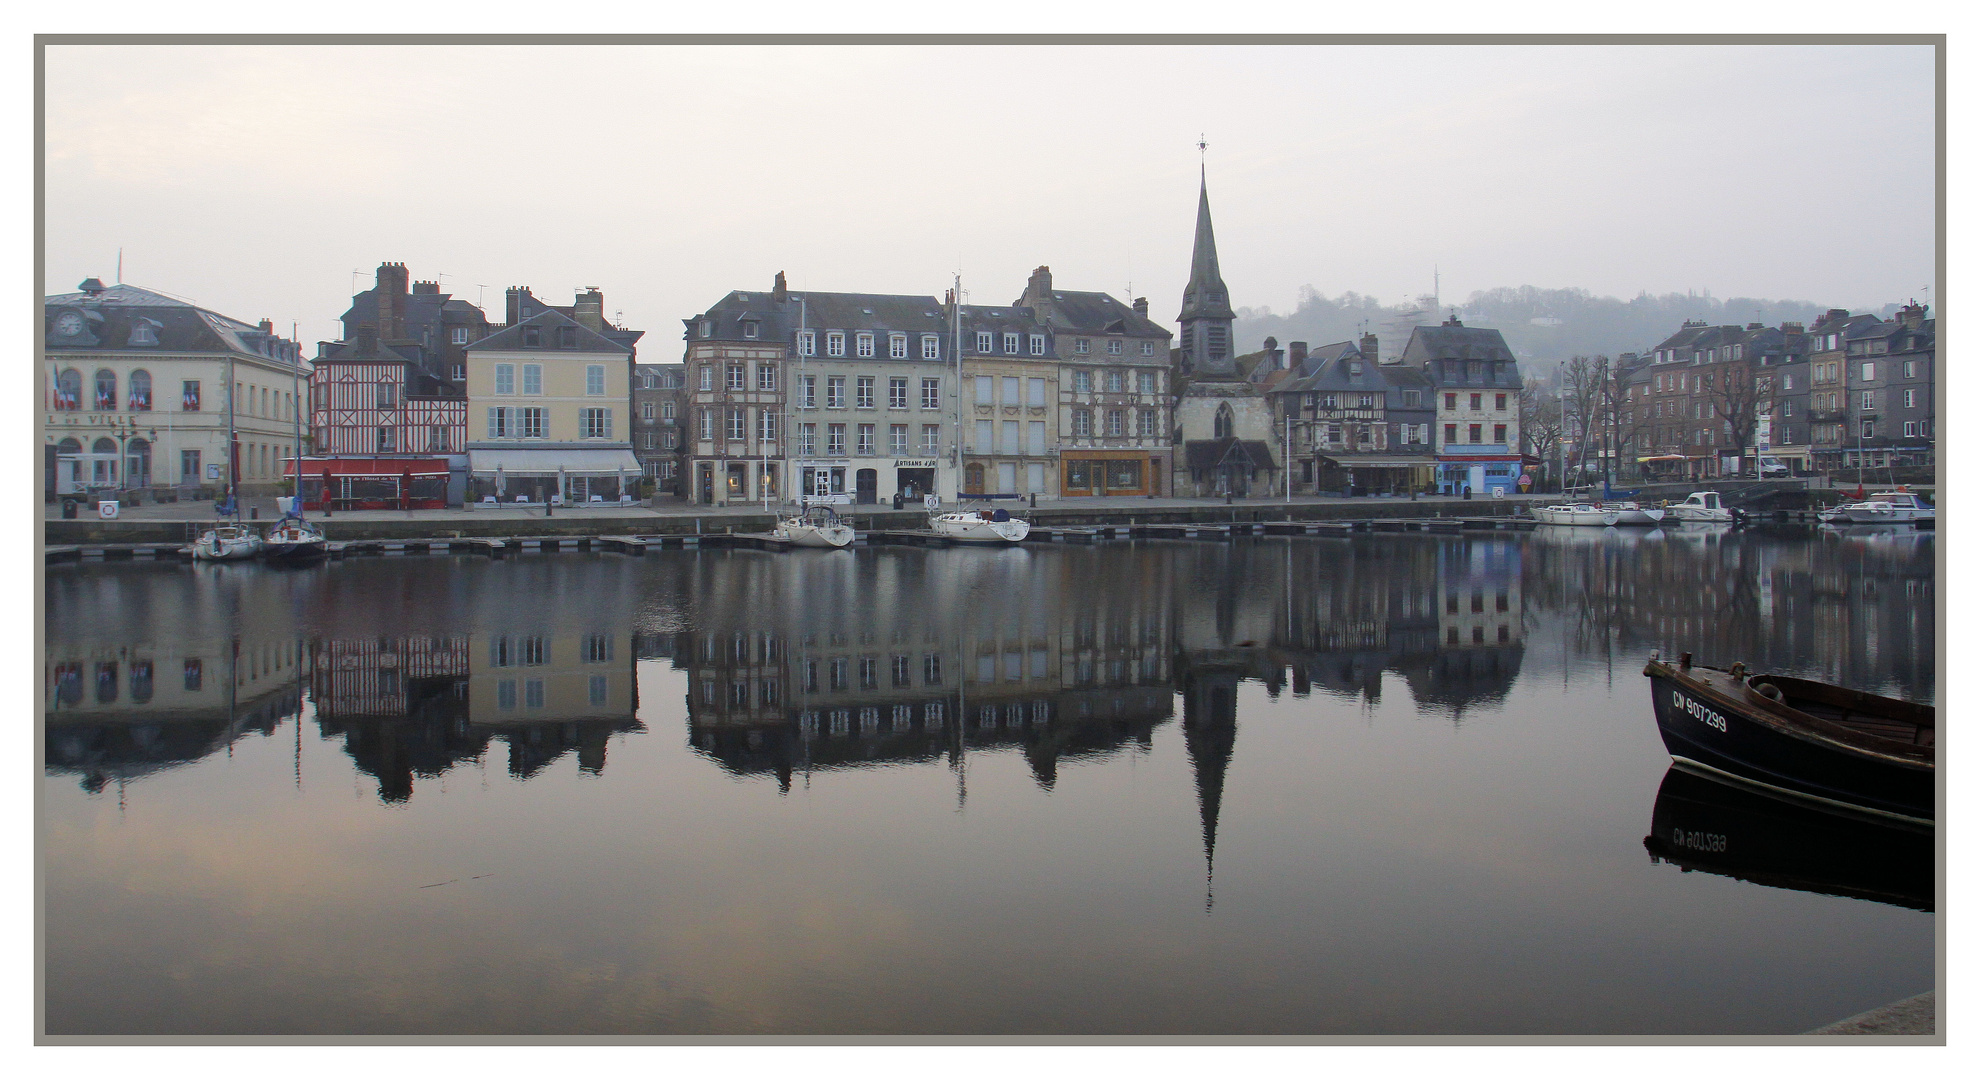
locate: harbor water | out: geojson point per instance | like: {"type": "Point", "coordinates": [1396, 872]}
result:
{"type": "Point", "coordinates": [1383, 785]}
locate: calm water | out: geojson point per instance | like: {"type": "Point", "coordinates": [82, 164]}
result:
{"type": "Point", "coordinates": [1386, 785]}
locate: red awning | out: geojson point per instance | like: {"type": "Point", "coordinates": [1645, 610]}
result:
{"type": "Point", "coordinates": [316, 467]}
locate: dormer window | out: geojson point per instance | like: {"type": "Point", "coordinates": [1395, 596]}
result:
{"type": "Point", "coordinates": [835, 343]}
{"type": "Point", "coordinates": [567, 337]}
{"type": "Point", "coordinates": [749, 328]}
{"type": "Point", "coordinates": [144, 332]}
{"type": "Point", "coordinates": [532, 337]}
{"type": "Point", "coordinates": [707, 327]}
{"type": "Point", "coordinates": [1354, 367]}
{"type": "Point", "coordinates": [807, 343]}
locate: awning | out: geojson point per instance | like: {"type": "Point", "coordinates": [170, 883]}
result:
{"type": "Point", "coordinates": [547, 462]}
{"type": "Point", "coordinates": [314, 467]}
{"type": "Point", "coordinates": [1379, 463]}
{"type": "Point", "coordinates": [1662, 457]}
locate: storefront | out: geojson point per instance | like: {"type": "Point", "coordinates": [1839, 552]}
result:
{"type": "Point", "coordinates": [575, 475]}
{"type": "Point", "coordinates": [1482, 475]}
{"type": "Point", "coordinates": [867, 481]}
{"type": "Point", "coordinates": [1109, 472]}
{"type": "Point", "coordinates": [373, 483]}
{"type": "Point", "coordinates": [1373, 475]}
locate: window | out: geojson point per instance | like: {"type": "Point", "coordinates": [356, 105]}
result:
{"type": "Point", "coordinates": [1499, 402]}
{"type": "Point", "coordinates": [1910, 398]}
{"type": "Point", "coordinates": [706, 327]}
{"type": "Point", "coordinates": [1450, 402]}
{"type": "Point", "coordinates": [1869, 370]}
{"type": "Point", "coordinates": [835, 392]}
{"type": "Point", "coordinates": [1869, 400]}
{"type": "Point", "coordinates": [897, 439]}
{"type": "Point", "coordinates": [766, 426]}
{"type": "Point", "coordinates": [1911, 429]}
{"type": "Point", "coordinates": [897, 394]}
{"type": "Point", "coordinates": [1010, 343]}
{"type": "Point", "coordinates": [983, 341]}
{"type": "Point", "coordinates": [1148, 348]}
{"type": "Point", "coordinates": [1113, 346]}
{"type": "Point", "coordinates": [500, 423]}
{"type": "Point", "coordinates": [865, 344]}
{"type": "Point", "coordinates": [897, 346]}
{"type": "Point", "coordinates": [1038, 344]}
{"type": "Point", "coordinates": [1499, 433]}
{"type": "Point", "coordinates": [1450, 434]}
{"type": "Point", "coordinates": [736, 377]}
{"type": "Point", "coordinates": [835, 440]}
{"type": "Point", "coordinates": [807, 391]}
{"type": "Point", "coordinates": [707, 377]}
{"type": "Point", "coordinates": [707, 424]}
{"type": "Point", "coordinates": [531, 423]}
{"type": "Point", "coordinates": [1013, 390]}
{"type": "Point", "coordinates": [986, 432]}
{"type": "Point", "coordinates": [1147, 425]}
{"type": "Point", "coordinates": [807, 343]}
{"type": "Point", "coordinates": [567, 337]}
{"type": "Point", "coordinates": [594, 380]}
{"type": "Point", "coordinates": [1116, 421]}
{"type": "Point", "coordinates": [750, 328]}
{"type": "Point", "coordinates": [460, 372]}
{"type": "Point", "coordinates": [1869, 429]}
{"type": "Point", "coordinates": [1081, 346]}
{"type": "Point", "coordinates": [986, 390]}
{"type": "Point", "coordinates": [734, 422]}
{"type": "Point", "coordinates": [931, 347]}
{"type": "Point", "coordinates": [1368, 400]}
{"type": "Point", "coordinates": [931, 393]}
{"type": "Point", "coordinates": [106, 389]}
{"type": "Point", "coordinates": [646, 410]}
{"type": "Point", "coordinates": [460, 335]}
{"type": "Point", "coordinates": [835, 343]}
{"type": "Point", "coordinates": [1082, 382]}
{"type": "Point", "coordinates": [532, 337]}
{"type": "Point", "coordinates": [532, 378]}
{"type": "Point", "coordinates": [1910, 369]}
{"type": "Point", "coordinates": [807, 439]}
{"type": "Point", "coordinates": [1477, 402]}
{"type": "Point", "coordinates": [388, 440]}
{"type": "Point", "coordinates": [864, 390]}
{"type": "Point", "coordinates": [1035, 438]}
{"type": "Point", "coordinates": [1477, 433]}
{"type": "Point", "coordinates": [1034, 392]}
{"type": "Point", "coordinates": [1082, 420]}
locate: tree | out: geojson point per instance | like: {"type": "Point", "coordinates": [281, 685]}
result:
{"type": "Point", "coordinates": [1540, 424]}
{"type": "Point", "coordinates": [1735, 399]}
{"type": "Point", "coordinates": [1582, 383]}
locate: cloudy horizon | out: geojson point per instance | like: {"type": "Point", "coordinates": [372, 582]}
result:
{"type": "Point", "coordinates": [269, 181]}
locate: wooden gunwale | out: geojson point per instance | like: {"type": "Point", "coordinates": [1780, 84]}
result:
{"type": "Point", "coordinates": [1806, 727]}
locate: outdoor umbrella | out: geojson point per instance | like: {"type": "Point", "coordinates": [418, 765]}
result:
{"type": "Point", "coordinates": [326, 490]}
{"type": "Point", "coordinates": [560, 481]}
{"type": "Point", "coordinates": [405, 491]}
{"type": "Point", "coordinates": [501, 483]}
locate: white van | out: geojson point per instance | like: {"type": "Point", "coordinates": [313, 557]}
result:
{"type": "Point", "coordinates": [1771, 466]}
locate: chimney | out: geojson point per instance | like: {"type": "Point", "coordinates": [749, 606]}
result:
{"type": "Point", "coordinates": [390, 295]}
{"type": "Point", "coordinates": [267, 327]}
{"type": "Point", "coordinates": [514, 309]}
{"type": "Point", "coordinates": [92, 286]}
{"type": "Point", "coordinates": [1369, 344]}
{"type": "Point", "coordinates": [588, 310]}
{"type": "Point", "coordinates": [779, 292]}
{"type": "Point", "coordinates": [1912, 315]}
{"type": "Point", "coordinates": [1754, 326]}
{"type": "Point", "coordinates": [1295, 354]}
{"type": "Point", "coordinates": [1141, 306]}
{"type": "Point", "coordinates": [426, 288]}
{"type": "Point", "coordinates": [367, 339]}
{"type": "Point", "coordinates": [1040, 285]}
{"type": "Point", "coordinates": [1453, 320]}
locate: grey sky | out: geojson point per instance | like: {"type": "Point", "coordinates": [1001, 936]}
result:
{"type": "Point", "coordinates": [253, 180]}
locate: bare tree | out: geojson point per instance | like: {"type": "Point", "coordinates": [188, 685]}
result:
{"type": "Point", "coordinates": [1735, 399]}
{"type": "Point", "coordinates": [1582, 381]}
{"type": "Point", "coordinates": [1540, 424]}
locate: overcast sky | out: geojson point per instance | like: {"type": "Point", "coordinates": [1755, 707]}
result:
{"type": "Point", "coordinates": [253, 179]}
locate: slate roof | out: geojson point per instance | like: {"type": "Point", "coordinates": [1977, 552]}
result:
{"type": "Point", "coordinates": [1206, 296]}
{"type": "Point", "coordinates": [1097, 313]}
{"type": "Point", "coordinates": [127, 317]}
{"type": "Point", "coordinates": [510, 339]}
{"type": "Point", "coordinates": [1207, 454]}
{"type": "Point", "coordinates": [777, 320]}
{"type": "Point", "coordinates": [1449, 342]}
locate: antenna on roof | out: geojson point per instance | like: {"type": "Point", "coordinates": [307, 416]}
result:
{"type": "Point", "coordinates": [120, 266]}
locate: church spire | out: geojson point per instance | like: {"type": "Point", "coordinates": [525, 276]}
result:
{"type": "Point", "coordinates": [1206, 296]}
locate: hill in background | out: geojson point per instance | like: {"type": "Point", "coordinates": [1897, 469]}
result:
{"type": "Point", "coordinates": [1541, 325]}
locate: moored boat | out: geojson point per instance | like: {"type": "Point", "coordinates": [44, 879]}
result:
{"type": "Point", "coordinates": [1883, 507]}
{"type": "Point", "coordinates": [293, 539]}
{"type": "Point", "coordinates": [225, 543]}
{"type": "Point", "coordinates": [1699, 506]}
{"type": "Point", "coordinates": [1629, 513]}
{"type": "Point", "coordinates": [1575, 514]}
{"type": "Point", "coordinates": [1798, 737]}
{"type": "Point", "coordinates": [815, 527]}
{"type": "Point", "coordinates": [985, 526]}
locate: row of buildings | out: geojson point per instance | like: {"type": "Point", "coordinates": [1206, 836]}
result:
{"type": "Point", "coordinates": [871, 397]}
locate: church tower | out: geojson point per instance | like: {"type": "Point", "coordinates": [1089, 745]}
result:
{"type": "Point", "coordinates": [1206, 311]}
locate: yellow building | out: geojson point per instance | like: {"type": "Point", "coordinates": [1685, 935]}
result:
{"type": "Point", "coordinates": [550, 412]}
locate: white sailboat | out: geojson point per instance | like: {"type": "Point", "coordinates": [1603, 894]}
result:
{"type": "Point", "coordinates": [985, 526]}
{"type": "Point", "coordinates": [1883, 507]}
{"type": "Point", "coordinates": [224, 543]}
{"type": "Point", "coordinates": [1574, 514]}
{"type": "Point", "coordinates": [814, 527]}
{"type": "Point", "coordinates": [1629, 513]}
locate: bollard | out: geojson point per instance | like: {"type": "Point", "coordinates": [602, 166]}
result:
{"type": "Point", "coordinates": [69, 509]}
{"type": "Point", "coordinates": [550, 507]}
{"type": "Point", "coordinates": [1034, 500]}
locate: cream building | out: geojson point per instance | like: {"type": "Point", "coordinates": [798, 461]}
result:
{"type": "Point", "coordinates": [550, 412]}
{"type": "Point", "coordinates": [138, 387]}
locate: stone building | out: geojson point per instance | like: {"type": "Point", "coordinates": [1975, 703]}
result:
{"type": "Point", "coordinates": [548, 404]}
{"type": "Point", "coordinates": [1476, 383]}
{"type": "Point", "coordinates": [1223, 422]}
{"type": "Point", "coordinates": [657, 426]}
{"type": "Point", "coordinates": [1011, 402]}
{"type": "Point", "coordinates": [138, 386]}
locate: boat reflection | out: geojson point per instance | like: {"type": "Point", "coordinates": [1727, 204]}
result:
{"type": "Point", "coordinates": [1703, 824]}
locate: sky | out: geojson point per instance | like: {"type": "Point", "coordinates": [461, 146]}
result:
{"type": "Point", "coordinates": [270, 181]}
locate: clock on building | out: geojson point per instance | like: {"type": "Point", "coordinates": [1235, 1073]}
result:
{"type": "Point", "coordinates": [68, 324]}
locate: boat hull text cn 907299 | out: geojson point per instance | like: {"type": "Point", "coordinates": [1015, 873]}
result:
{"type": "Point", "coordinates": [1799, 737]}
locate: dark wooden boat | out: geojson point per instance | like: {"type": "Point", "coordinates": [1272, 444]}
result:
{"type": "Point", "coordinates": [1800, 737]}
{"type": "Point", "coordinates": [1738, 831]}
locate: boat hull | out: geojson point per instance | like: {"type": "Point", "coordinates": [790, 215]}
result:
{"type": "Point", "coordinates": [812, 536]}
{"type": "Point", "coordinates": [982, 532]}
{"type": "Point", "coordinates": [296, 552]}
{"type": "Point", "coordinates": [1697, 515]}
{"type": "Point", "coordinates": [1712, 732]}
{"type": "Point", "coordinates": [1639, 517]}
{"type": "Point", "coordinates": [210, 548]}
{"type": "Point", "coordinates": [1700, 823]}
{"type": "Point", "coordinates": [1554, 516]}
